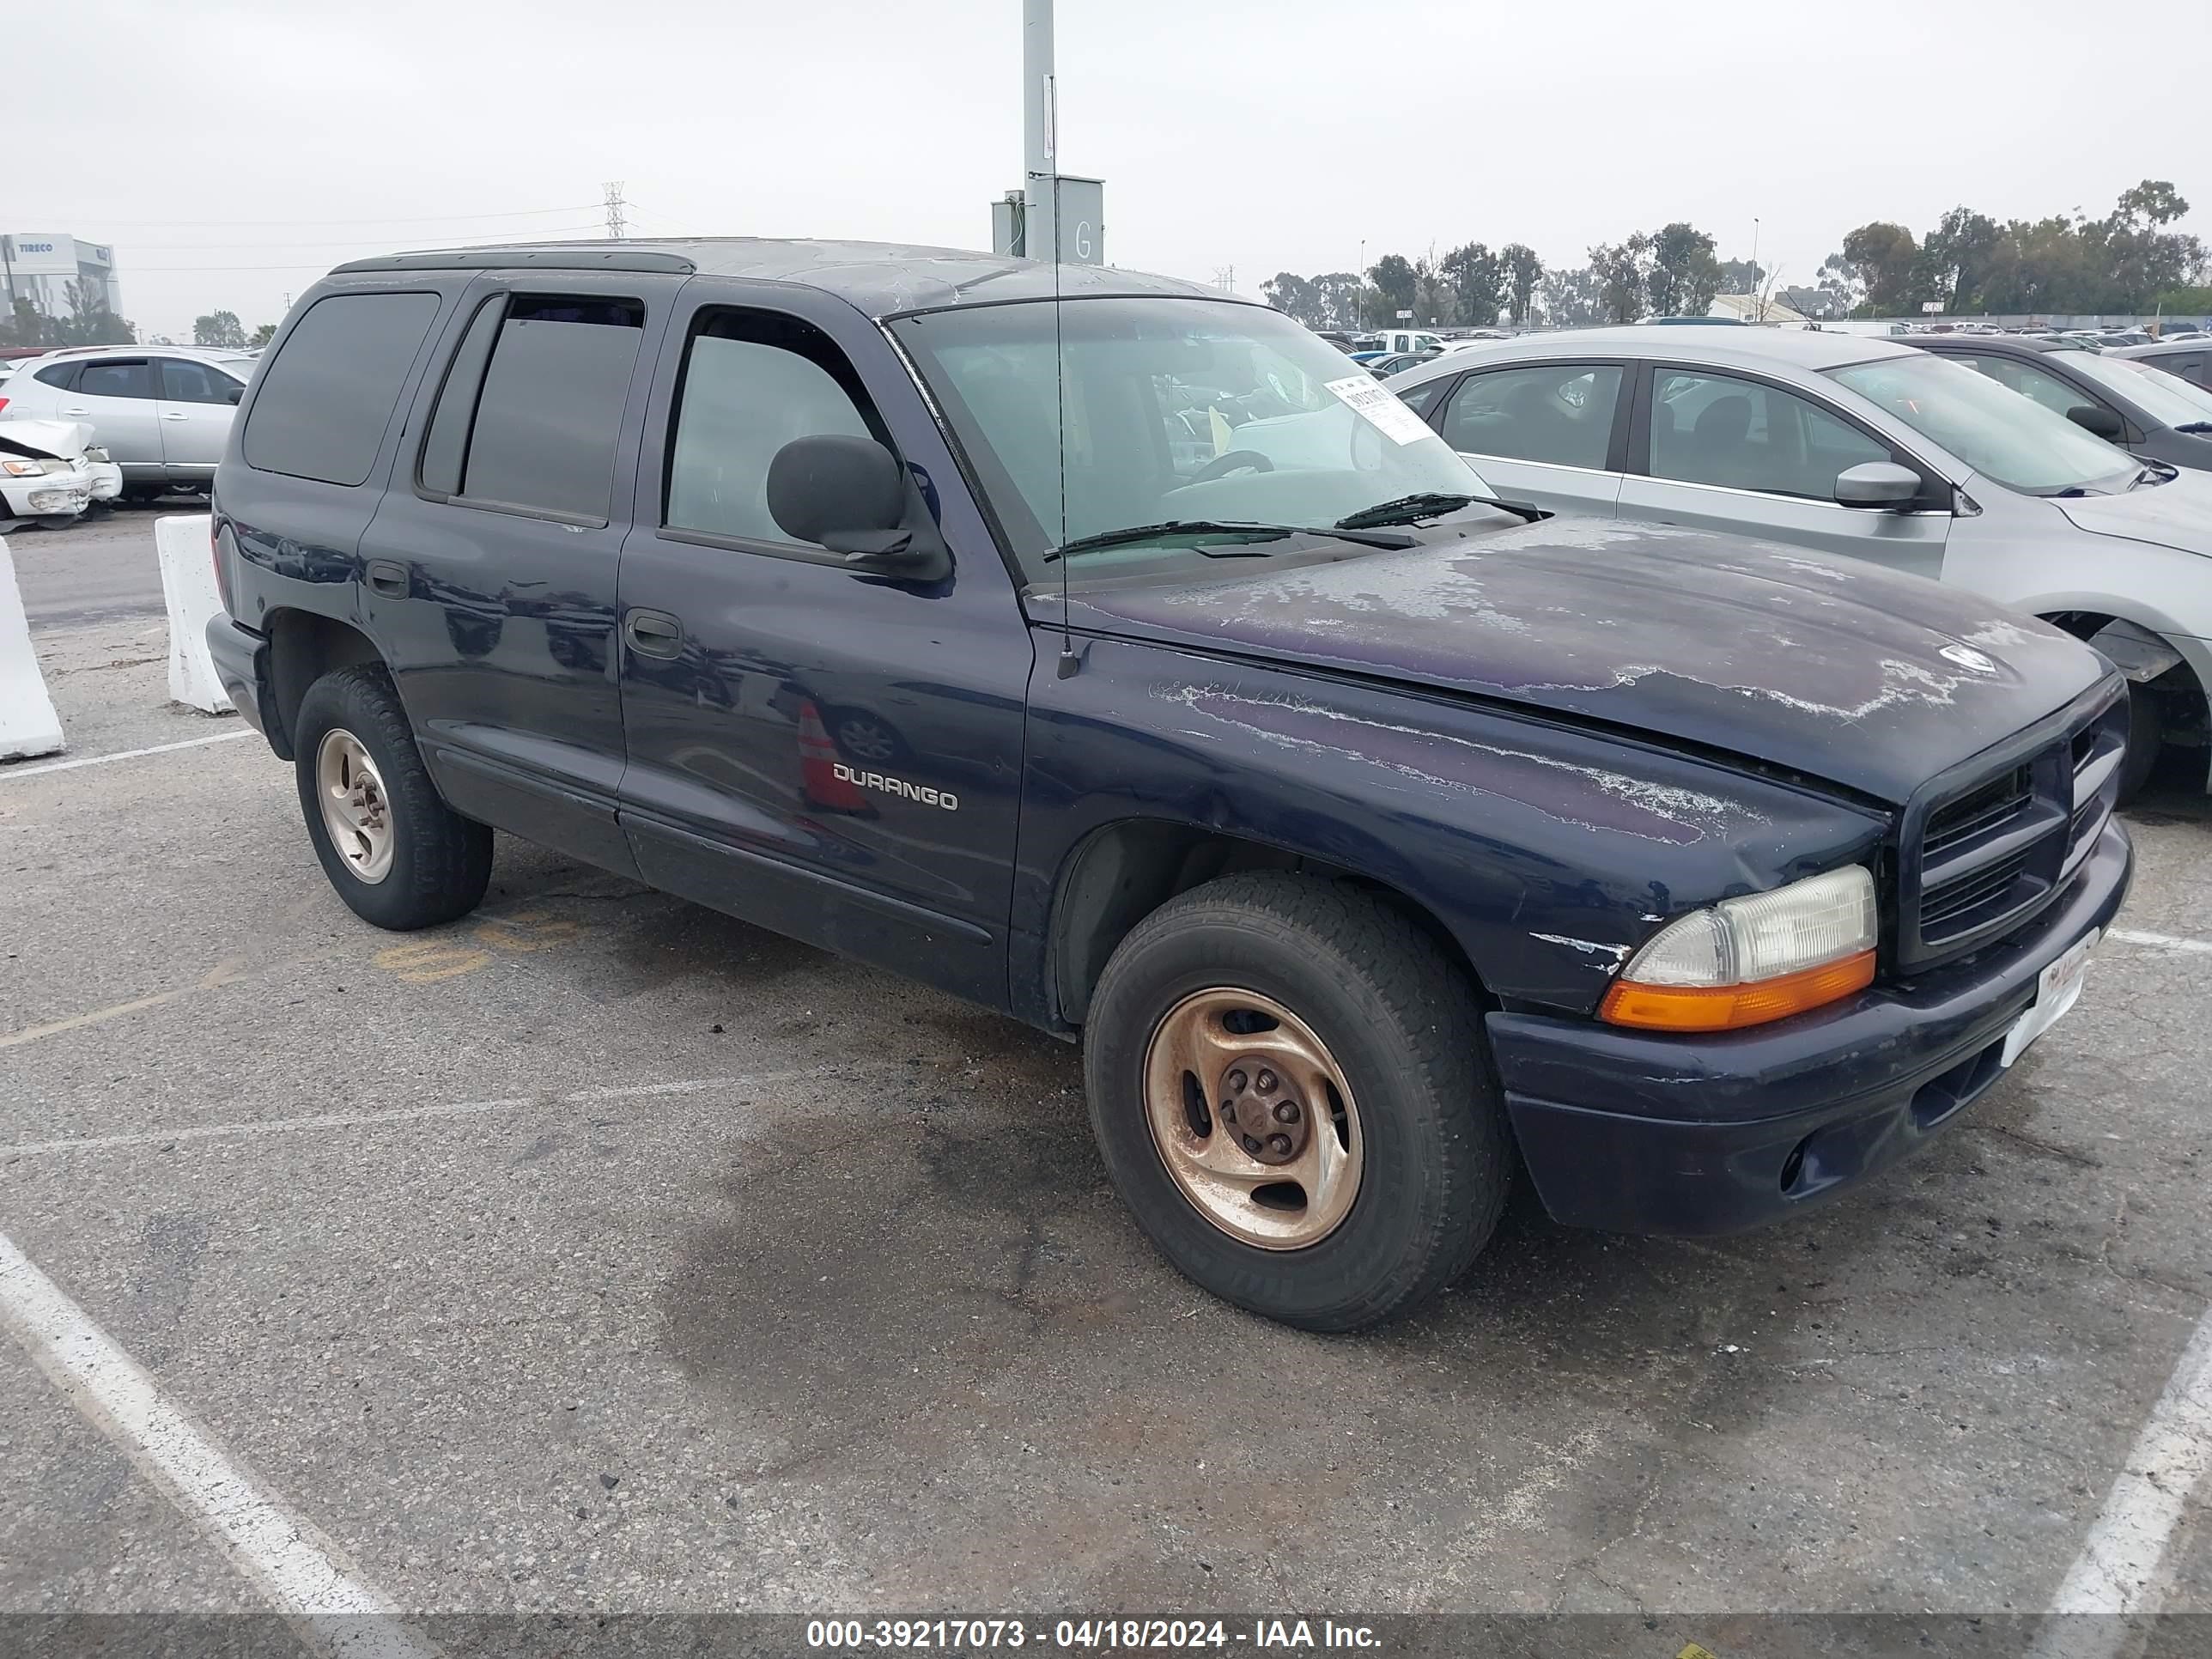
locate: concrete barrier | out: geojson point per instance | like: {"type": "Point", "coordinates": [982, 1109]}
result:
{"type": "Point", "coordinates": [188, 585]}
{"type": "Point", "coordinates": [28, 725]}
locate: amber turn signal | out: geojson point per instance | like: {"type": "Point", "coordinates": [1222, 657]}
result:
{"type": "Point", "coordinates": [1731, 1007]}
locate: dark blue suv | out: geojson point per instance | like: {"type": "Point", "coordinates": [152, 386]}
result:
{"type": "Point", "coordinates": [1115, 654]}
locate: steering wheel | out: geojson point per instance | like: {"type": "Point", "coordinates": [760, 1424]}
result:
{"type": "Point", "coordinates": [1235, 460]}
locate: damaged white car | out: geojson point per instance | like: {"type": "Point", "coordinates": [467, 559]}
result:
{"type": "Point", "coordinates": [50, 471]}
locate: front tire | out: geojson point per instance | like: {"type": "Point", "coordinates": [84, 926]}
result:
{"type": "Point", "coordinates": [398, 855]}
{"type": "Point", "coordinates": [1291, 1089]}
{"type": "Point", "coordinates": [2146, 736]}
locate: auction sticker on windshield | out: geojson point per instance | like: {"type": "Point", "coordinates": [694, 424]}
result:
{"type": "Point", "coordinates": [2057, 989]}
{"type": "Point", "coordinates": [1382, 408]}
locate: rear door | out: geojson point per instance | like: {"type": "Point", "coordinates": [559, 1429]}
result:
{"type": "Point", "coordinates": [832, 754]}
{"type": "Point", "coordinates": [1747, 455]}
{"type": "Point", "coordinates": [119, 396]}
{"type": "Point", "coordinates": [490, 570]}
{"type": "Point", "coordinates": [1551, 434]}
{"type": "Point", "coordinates": [196, 405]}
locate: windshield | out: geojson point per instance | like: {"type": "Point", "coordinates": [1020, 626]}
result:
{"type": "Point", "coordinates": [1998, 433]}
{"type": "Point", "coordinates": [2166, 398]}
{"type": "Point", "coordinates": [1176, 409]}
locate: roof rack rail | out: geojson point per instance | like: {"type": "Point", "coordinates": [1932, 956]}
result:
{"type": "Point", "coordinates": [509, 258]}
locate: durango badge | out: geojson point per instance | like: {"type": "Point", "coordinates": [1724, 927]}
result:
{"type": "Point", "coordinates": [922, 793]}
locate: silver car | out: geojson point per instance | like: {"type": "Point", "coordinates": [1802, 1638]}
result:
{"type": "Point", "coordinates": [1859, 447]}
{"type": "Point", "coordinates": [162, 413]}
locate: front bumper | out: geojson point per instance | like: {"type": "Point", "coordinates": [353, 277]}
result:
{"type": "Point", "coordinates": [45, 498]}
{"type": "Point", "coordinates": [1641, 1133]}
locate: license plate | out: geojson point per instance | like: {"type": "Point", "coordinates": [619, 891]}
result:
{"type": "Point", "coordinates": [2057, 988]}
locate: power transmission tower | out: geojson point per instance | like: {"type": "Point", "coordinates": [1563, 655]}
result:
{"type": "Point", "coordinates": [615, 206]}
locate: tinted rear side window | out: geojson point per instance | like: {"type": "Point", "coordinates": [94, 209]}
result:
{"type": "Point", "coordinates": [61, 375]}
{"type": "Point", "coordinates": [325, 400]}
{"type": "Point", "coordinates": [551, 407]}
{"type": "Point", "coordinates": [132, 378]}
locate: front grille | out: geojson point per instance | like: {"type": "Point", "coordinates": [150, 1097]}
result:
{"type": "Point", "coordinates": [1996, 803]}
{"type": "Point", "coordinates": [1950, 908]}
{"type": "Point", "coordinates": [1981, 855]}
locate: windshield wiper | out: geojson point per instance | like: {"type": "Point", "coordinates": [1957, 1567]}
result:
{"type": "Point", "coordinates": [1144, 532]}
{"type": "Point", "coordinates": [1432, 504]}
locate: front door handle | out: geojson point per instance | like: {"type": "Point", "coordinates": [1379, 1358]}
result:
{"type": "Point", "coordinates": [653, 633]}
{"type": "Point", "coordinates": [174, 415]}
{"type": "Point", "coordinates": [388, 579]}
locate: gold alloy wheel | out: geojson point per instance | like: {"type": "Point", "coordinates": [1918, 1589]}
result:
{"type": "Point", "coordinates": [356, 812]}
{"type": "Point", "coordinates": [1253, 1118]}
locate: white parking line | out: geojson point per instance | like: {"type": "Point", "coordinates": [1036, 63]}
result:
{"type": "Point", "coordinates": [2115, 1584]}
{"type": "Point", "coordinates": [415, 1114]}
{"type": "Point", "coordinates": [2161, 941]}
{"type": "Point", "coordinates": [303, 1575]}
{"type": "Point", "coordinates": [7, 772]}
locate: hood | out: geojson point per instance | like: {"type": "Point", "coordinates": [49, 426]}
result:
{"type": "Point", "coordinates": [1868, 678]}
{"type": "Point", "coordinates": [2176, 514]}
{"type": "Point", "coordinates": [46, 440]}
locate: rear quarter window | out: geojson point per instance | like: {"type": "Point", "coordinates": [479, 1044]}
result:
{"type": "Point", "coordinates": [326, 399]}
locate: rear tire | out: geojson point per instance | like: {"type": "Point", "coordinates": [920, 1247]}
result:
{"type": "Point", "coordinates": [407, 860]}
{"type": "Point", "coordinates": [1419, 1112]}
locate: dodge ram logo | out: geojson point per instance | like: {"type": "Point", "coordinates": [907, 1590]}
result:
{"type": "Point", "coordinates": [1966, 656]}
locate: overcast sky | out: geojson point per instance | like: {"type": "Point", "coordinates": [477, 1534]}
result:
{"type": "Point", "coordinates": [233, 149]}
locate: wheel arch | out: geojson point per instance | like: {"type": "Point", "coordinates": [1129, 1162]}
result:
{"type": "Point", "coordinates": [303, 647]}
{"type": "Point", "coordinates": [1123, 871]}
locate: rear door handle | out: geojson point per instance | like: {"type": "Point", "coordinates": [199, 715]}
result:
{"type": "Point", "coordinates": [654, 633]}
{"type": "Point", "coordinates": [387, 578]}
{"type": "Point", "coordinates": [174, 415]}
{"type": "Point", "coordinates": [78, 409]}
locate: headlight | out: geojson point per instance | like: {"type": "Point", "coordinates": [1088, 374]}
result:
{"type": "Point", "coordinates": [33, 469]}
{"type": "Point", "coordinates": [1748, 960]}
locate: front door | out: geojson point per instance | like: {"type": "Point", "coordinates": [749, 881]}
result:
{"type": "Point", "coordinates": [835, 755]}
{"type": "Point", "coordinates": [1746, 455]}
{"type": "Point", "coordinates": [195, 405]}
{"type": "Point", "coordinates": [118, 395]}
{"type": "Point", "coordinates": [488, 572]}
{"type": "Point", "coordinates": [1547, 434]}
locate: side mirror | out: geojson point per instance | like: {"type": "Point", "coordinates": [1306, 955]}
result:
{"type": "Point", "coordinates": [847, 494]}
{"type": "Point", "coordinates": [2094, 418]}
{"type": "Point", "coordinates": [1877, 484]}
{"type": "Point", "coordinates": [235, 394]}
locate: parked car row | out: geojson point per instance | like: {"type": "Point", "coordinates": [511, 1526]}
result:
{"type": "Point", "coordinates": [157, 415]}
{"type": "Point", "coordinates": [1879, 449]}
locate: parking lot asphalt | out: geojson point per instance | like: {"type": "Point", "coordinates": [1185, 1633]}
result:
{"type": "Point", "coordinates": [599, 1252]}
{"type": "Point", "coordinates": [101, 568]}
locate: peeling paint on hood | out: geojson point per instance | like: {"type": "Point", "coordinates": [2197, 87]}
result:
{"type": "Point", "coordinates": [1839, 672]}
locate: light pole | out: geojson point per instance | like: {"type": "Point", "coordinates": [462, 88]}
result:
{"type": "Point", "coordinates": [1359, 289]}
{"type": "Point", "coordinates": [1040, 165]}
{"type": "Point", "coordinates": [1758, 306]}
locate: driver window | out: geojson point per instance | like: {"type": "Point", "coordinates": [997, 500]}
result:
{"type": "Point", "coordinates": [2046, 388]}
{"type": "Point", "coordinates": [752, 382]}
{"type": "Point", "coordinates": [1745, 434]}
